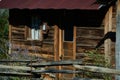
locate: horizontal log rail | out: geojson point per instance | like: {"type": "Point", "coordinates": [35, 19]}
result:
{"type": "Point", "coordinates": [16, 74]}
{"type": "Point", "coordinates": [14, 61]}
{"type": "Point", "coordinates": [24, 68]}
{"type": "Point", "coordinates": [76, 78]}
{"type": "Point", "coordinates": [98, 69]}
{"type": "Point", "coordinates": [56, 71]}
{"type": "Point", "coordinates": [76, 63]}
{"type": "Point", "coordinates": [56, 63]}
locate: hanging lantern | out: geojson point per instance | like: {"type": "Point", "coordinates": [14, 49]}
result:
{"type": "Point", "coordinates": [45, 30]}
{"type": "Point", "coordinates": [44, 26]}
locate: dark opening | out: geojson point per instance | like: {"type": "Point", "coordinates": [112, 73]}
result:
{"type": "Point", "coordinates": [68, 33]}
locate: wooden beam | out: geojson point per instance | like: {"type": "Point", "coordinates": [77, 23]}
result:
{"type": "Point", "coordinates": [74, 43]}
{"type": "Point", "coordinates": [56, 63]}
{"type": "Point", "coordinates": [117, 54]}
{"type": "Point", "coordinates": [56, 45]}
{"type": "Point", "coordinates": [98, 69]}
{"type": "Point", "coordinates": [60, 50]}
{"type": "Point", "coordinates": [55, 71]}
{"type": "Point", "coordinates": [10, 37]}
{"type": "Point", "coordinates": [15, 61]}
{"type": "Point", "coordinates": [16, 74]}
{"type": "Point", "coordinates": [108, 27]}
{"type": "Point", "coordinates": [25, 32]}
{"type": "Point", "coordinates": [24, 68]}
{"type": "Point", "coordinates": [77, 78]}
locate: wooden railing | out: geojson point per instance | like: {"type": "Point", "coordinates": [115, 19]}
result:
{"type": "Point", "coordinates": [31, 68]}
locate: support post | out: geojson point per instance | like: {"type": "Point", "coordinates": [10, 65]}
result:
{"type": "Point", "coordinates": [117, 55]}
{"type": "Point", "coordinates": [10, 37]}
{"type": "Point", "coordinates": [60, 48]}
{"type": "Point", "coordinates": [56, 45]}
{"type": "Point", "coordinates": [108, 27]}
{"type": "Point", "coordinates": [74, 44]}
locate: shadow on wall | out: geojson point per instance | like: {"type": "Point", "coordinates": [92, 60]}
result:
{"type": "Point", "coordinates": [60, 17]}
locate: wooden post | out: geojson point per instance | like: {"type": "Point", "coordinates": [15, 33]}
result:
{"type": "Point", "coordinates": [10, 37]}
{"type": "Point", "coordinates": [25, 32]}
{"type": "Point", "coordinates": [60, 48]}
{"type": "Point", "coordinates": [74, 44]}
{"type": "Point", "coordinates": [56, 45]}
{"type": "Point", "coordinates": [118, 39]}
{"type": "Point", "coordinates": [108, 27]}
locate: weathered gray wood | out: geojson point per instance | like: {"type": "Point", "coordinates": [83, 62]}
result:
{"type": "Point", "coordinates": [22, 61]}
{"type": "Point", "coordinates": [56, 71]}
{"type": "Point", "coordinates": [118, 39]}
{"type": "Point", "coordinates": [98, 69]}
{"type": "Point", "coordinates": [76, 78]}
{"type": "Point", "coordinates": [24, 68]}
{"type": "Point", "coordinates": [107, 28]}
{"type": "Point", "coordinates": [16, 74]}
{"type": "Point", "coordinates": [56, 63]}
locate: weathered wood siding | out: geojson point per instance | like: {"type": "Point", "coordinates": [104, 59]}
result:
{"type": "Point", "coordinates": [113, 29]}
{"type": "Point", "coordinates": [87, 39]}
{"type": "Point", "coordinates": [21, 44]}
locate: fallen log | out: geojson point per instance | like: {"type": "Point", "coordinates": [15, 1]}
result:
{"type": "Point", "coordinates": [24, 68]}
{"type": "Point", "coordinates": [56, 63]}
{"type": "Point", "coordinates": [98, 69]}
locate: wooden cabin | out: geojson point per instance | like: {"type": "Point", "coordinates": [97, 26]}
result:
{"type": "Point", "coordinates": [72, 31]}
{"type": "Point", "coordinates": [79, 32]}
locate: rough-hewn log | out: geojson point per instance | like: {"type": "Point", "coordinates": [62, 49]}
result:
{"type": "Point", "coordinates": [56, 71]}
{"type": "Point", "coordinates": [85, 79]}
{"type": "Point", "coordinates": [98, 69]}
{"type": "Point", "coordinates": [24, 68]}
{"type": "Point", "coordinates": [16, 74]}
{"type": "Point", "coordinates": [22, 61]}
{"type": "Point", "coordinates": [56, 63]}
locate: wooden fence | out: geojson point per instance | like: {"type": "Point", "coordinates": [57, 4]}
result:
{"type": "Point", "coordinates": [31, 68]}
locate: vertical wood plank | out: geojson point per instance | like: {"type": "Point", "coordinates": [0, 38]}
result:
{"type": "Point", "coordinates": [10, 39]}
{"type": "Point", "coordinates": [25, 32]}
{"type": "Point", "coordinates": [74, 44]}
{"type": "Point", "coordinates": [60, 48]}
{"type": "Point", "coordinates": [117, 54]}
{"type": "Point", "coordinates": [10, 31]}
{"type": "Point", "coordinates": [56, 45]}
{"type": "Point", "coordinates": [108, 27]}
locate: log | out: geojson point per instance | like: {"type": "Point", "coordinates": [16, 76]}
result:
{"type": "Point", "coordinates": [76, 78]}
{"type": "Point", "coordinates": [14, 61]}
{"type": "Point", "coordinates": [24, 68]}
{"type": "Point", "coordinates": [16, 74]}
{"type": "Point", "coordinates": [55, 71]}
{"type": "Point", "coordinates": [56, 63]}
{"type": "Point", "coordinates": [98, 69]}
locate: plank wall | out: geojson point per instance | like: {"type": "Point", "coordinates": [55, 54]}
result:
{"type": "Point", "coordinates": [20, 44]}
